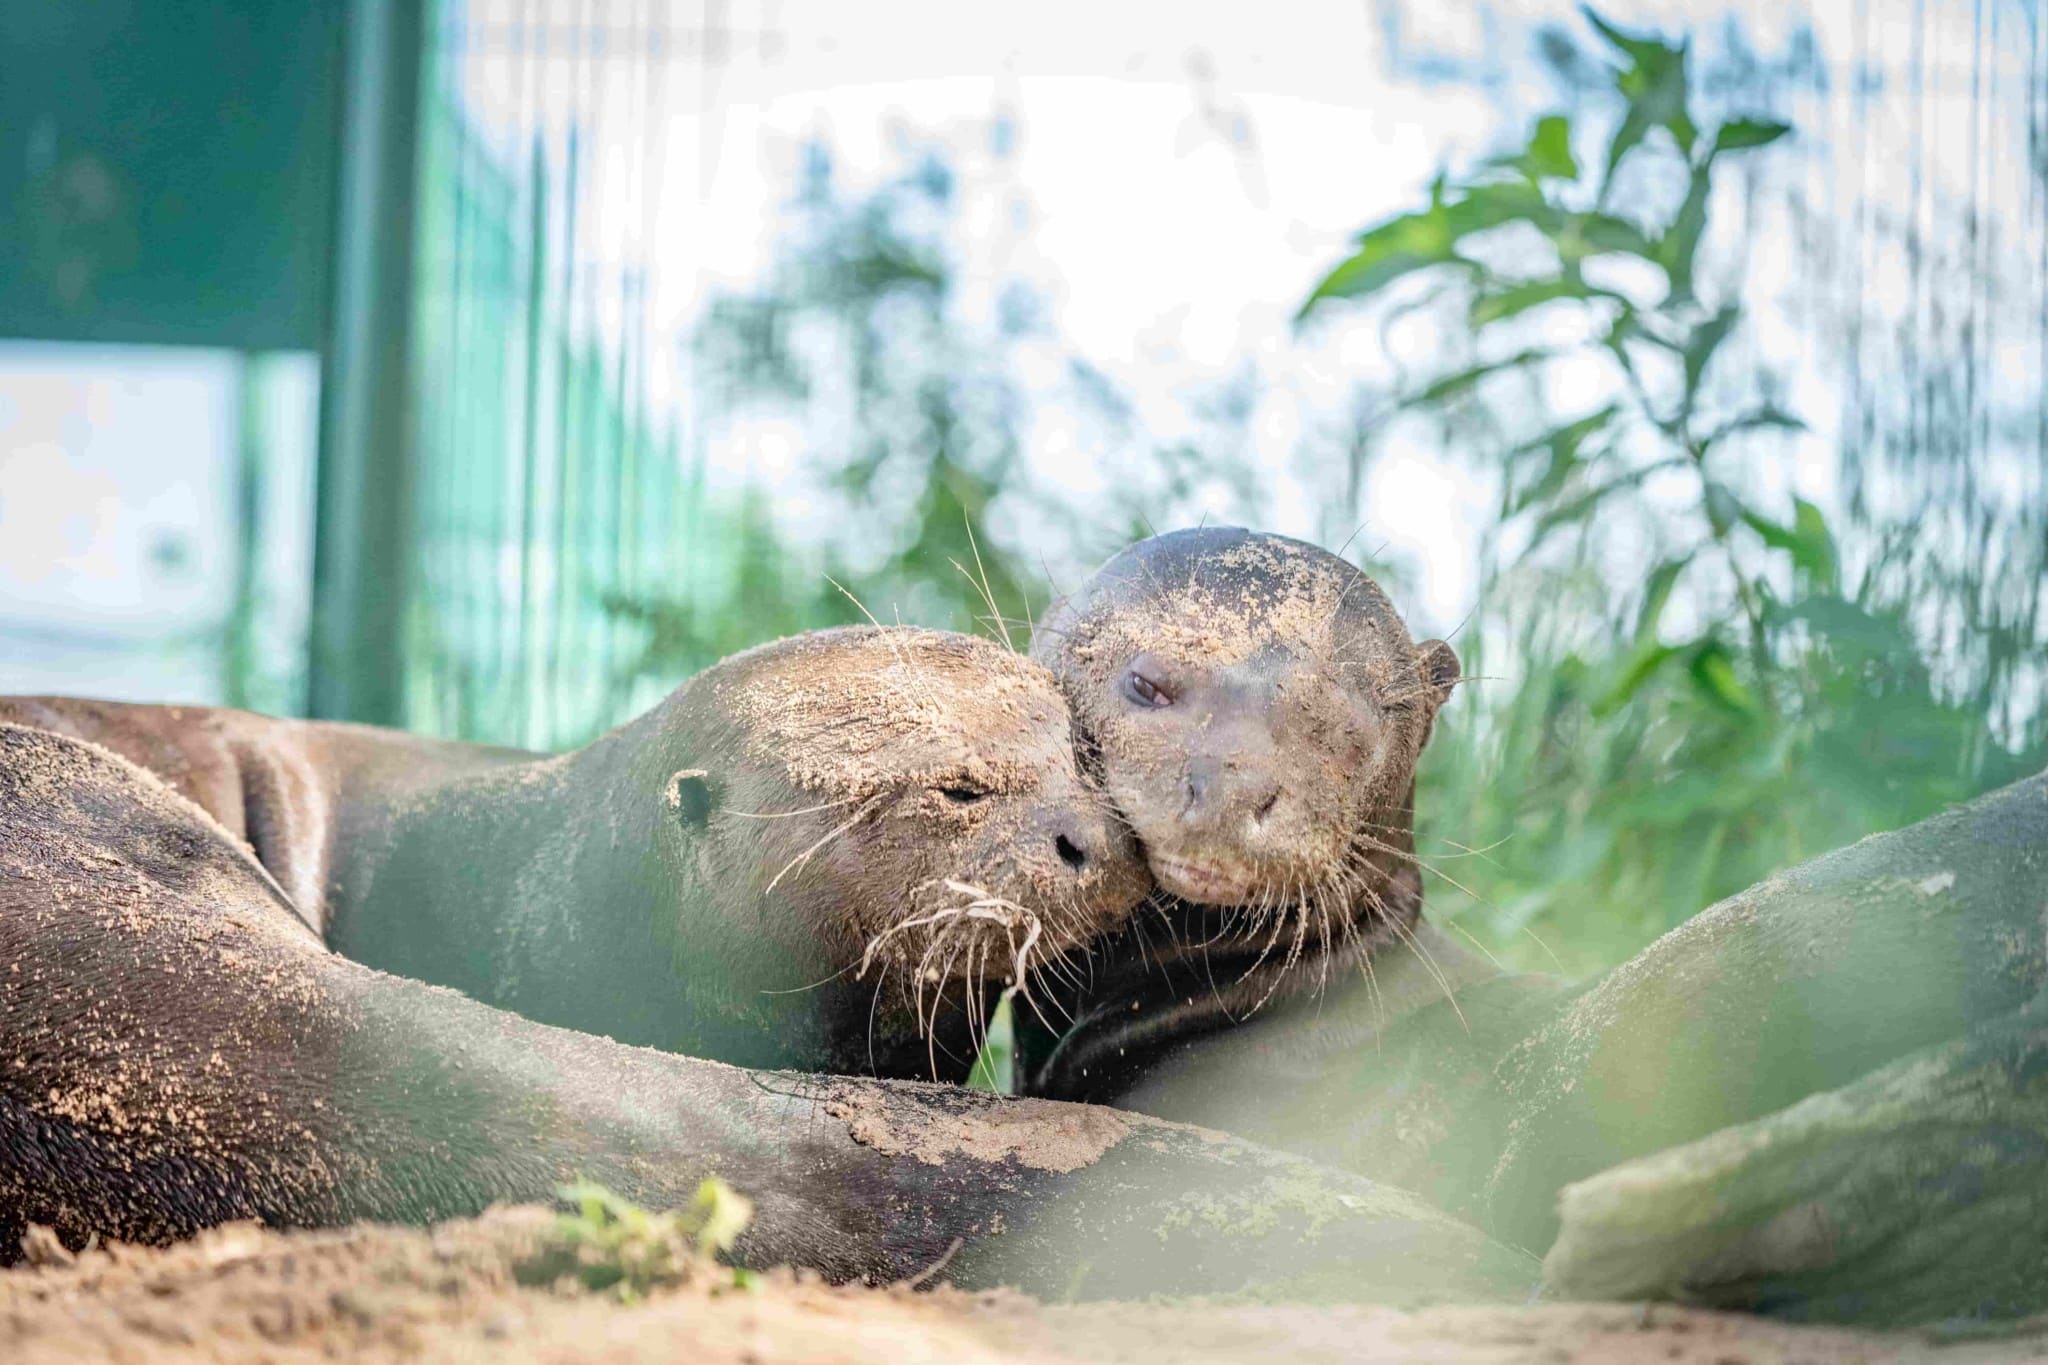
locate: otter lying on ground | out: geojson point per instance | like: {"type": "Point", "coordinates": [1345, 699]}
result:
{"type": "Point", "coordinates": [179, 1050]}
{"type": "Point", "coordinates": [725, 876]}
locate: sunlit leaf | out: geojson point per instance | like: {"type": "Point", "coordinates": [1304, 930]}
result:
{"type": "Point", "coordinates": [1744, 133]}
{"type": "Point", "coordinates": [1713, 672]}
{"type": "Point", "coordinates": [1549, 153]}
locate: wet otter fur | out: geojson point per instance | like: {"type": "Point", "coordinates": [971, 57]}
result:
{"type": "Point", "coordinates": [821, 853]}
{"type": "Point", "coordinates": [1255, 709]}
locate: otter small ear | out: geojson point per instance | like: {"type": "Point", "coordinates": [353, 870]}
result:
{"type": "Point", "coordinates": [1440, 666]}
{"type": "Point", "coordinates": [689, 796]}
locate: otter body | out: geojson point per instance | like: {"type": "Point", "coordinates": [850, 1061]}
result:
{"type": "Point", "coordinates": [181, 1050]}
{"type": "Point", "coordinates": [817, 854]}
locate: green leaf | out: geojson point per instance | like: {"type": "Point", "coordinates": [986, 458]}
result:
{"type": "Point", "coordinates": [1656, 594]}
{"type": "Point", "coordinates": [1744, 133]}
{"type": "Point", "coordinates": [995, 1064]}
{"type": "Point", "coordinates": [1400, 246]}
{"type": "Point", "coordinates": [1519, 298]}
{"type": "Point", "coordinates": [1713, 672]}
{"type": "Point", "coordinates": [1635, 125]}
{"type": "Point", "coordinates": [1724, 509]}
{"type": "Point", "coordinates": [1457, 384]}
{"type": "Point", "coordinates": [1807, 540]}
{"type": "Point", "coordinates": [1642, 664]}
{"type": "Point", "coordinates": [1548, 155]}
{"type": "Point", "coordinates": [1643, 53]}
{"type": "Point", "coordinates": [1603, 232]}
{"type": "Point", "coordinates": [1705, 340]}
{"type": "Point", "coordinates": [1410, 242]}
{"type": "Point", "coordinates": [1655, 85]}
{"type": "Point", "coordinates": [1550, 149]}
{"type": "Point", "coordinates": [1563, 443]}
{"type": "Point", "coordinates": [1756, 418]}
{"type": "Point", "coordinates": [1680, 244]}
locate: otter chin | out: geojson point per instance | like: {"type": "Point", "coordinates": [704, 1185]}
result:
{"type": "Point", "coordinates": [1255, 709]}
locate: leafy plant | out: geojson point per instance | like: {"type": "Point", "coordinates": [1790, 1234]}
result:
{"type": "Point", "coordinates": [1755, 700]}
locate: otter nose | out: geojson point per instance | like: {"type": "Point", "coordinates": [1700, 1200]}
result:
{"type": "Point", "coordinates": [1228, 793]}
{"type": "Point", "coordinates": [1070, 850]}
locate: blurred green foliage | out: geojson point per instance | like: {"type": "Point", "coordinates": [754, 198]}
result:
{"type": "Point", "coordinates": [1748, 695]}
{"type": "Point", "coordinates": [854, 323]}
{"type": "Point", "coordinates": [1685, 675]}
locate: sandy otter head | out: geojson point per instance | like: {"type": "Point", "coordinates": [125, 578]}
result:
{"type": "Point", "coordinates": [1256, 709]}
{"type": "Point", "coordinates": [899, 803]}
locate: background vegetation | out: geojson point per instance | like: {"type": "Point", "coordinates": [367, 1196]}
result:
{"type": "Point", "coordinates": [1687, 675]}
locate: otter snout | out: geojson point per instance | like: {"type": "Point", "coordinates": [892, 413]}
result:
{"type": "Point", "coordinates": [1078, 856]}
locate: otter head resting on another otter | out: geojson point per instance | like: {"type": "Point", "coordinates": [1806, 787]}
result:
{"type": "Point", "coordinates": [904, 800]}
{"type": "Point", "coordinates": [822, 853]}
{"type": "Point", "coordinates": [1255, 709]}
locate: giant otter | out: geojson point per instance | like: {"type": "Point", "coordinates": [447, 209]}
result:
{"type": "Point", "coordinates": [180, 1050]}
{"type": "Point", "coordinates": [726, 876]}
{"type": "Point", "coordinates": [1255, 709]}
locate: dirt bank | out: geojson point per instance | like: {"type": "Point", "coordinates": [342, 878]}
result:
{"type": "Point", "coordinates": [454, 1293]}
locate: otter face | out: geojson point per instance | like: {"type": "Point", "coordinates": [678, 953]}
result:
{"type": "Point", "coordinates": [1256, 710]}
{"type": "Point", "coordinates": [914, 795]}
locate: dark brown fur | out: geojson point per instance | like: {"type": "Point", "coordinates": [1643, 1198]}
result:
{"type": "Point", "coordinates": [1255, 710]}
{"type": "Point", "coordinates": [180, 1050]}
{"type": "Point", "coordinates": [712, 878]}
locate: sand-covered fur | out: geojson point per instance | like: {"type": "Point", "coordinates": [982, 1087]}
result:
{"type": "Point", "coordinates": [826, 852]}
{"type": "Point", "coordinates": [1255, 709]}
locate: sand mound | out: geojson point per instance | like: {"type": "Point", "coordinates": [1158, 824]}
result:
{"type": "Point", "coordinates": [454, 1293]}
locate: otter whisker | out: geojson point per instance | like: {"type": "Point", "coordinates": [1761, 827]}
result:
{"type": "Point", "coordinates": [929, 700]}
{"type": "Point", "coordinates": [1423, 863]}
{"type": "Point", "coordinates": [1474, 941]}
{"type": "Point", "coordinates": [947, 922]}
{"type": "Point", "coordinates": [784, 814]}
{"type": "Point", "coordinates": [987, 594]}
{"type": "Point", "coordinates": [832, 834]}
{"type": "Point", "coordinates": [1546, 948]}
{"type": "Point", "coordinates": [1429, 963]}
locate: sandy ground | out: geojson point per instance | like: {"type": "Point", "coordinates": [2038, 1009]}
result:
{"type": "Point", "coordinates": [453, 1293]}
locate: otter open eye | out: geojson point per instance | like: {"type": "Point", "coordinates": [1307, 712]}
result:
{"type": "Point", "coordinates": [964, 795]}
{"type": "Point", "coordinates": [1146, 691]}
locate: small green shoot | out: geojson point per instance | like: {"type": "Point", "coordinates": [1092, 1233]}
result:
{"type": "Point", "coordinates": [608, 1244]}
{"type": "Point", "coordinates": [995, 1066]}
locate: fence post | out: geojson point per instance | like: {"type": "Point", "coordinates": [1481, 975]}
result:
{"type": "Point", "coordinates": [364, 533]}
